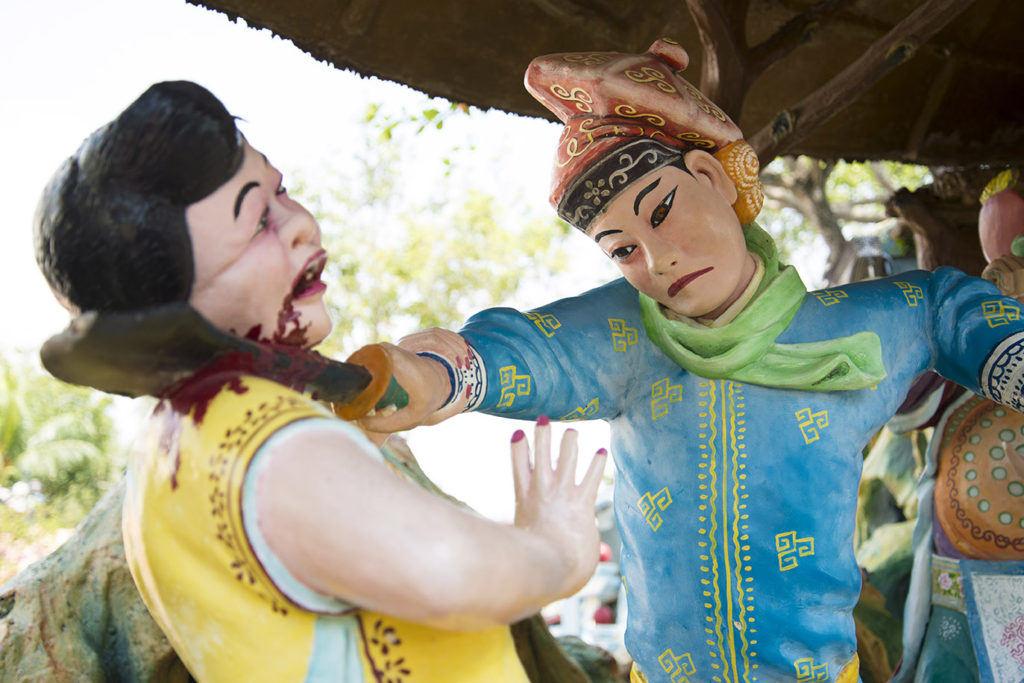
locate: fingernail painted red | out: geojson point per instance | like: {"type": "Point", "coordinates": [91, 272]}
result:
{"type": "Point", "coordinates": [602, 451]}
{"type": "Point", "coordinates": [543, 420]}
{"type": "Point", "coordinates": [518, 435]}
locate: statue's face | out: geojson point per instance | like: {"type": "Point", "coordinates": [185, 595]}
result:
{"type": "Point", "coordinates": [676, 238]}
{"type": "Point", "coordinates": [1001, 223]}
{"type": "Point", "coordinates": [258, 259]}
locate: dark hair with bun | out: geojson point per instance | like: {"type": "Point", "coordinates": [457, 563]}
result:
{"type": "Point", "coordinates": [110, 230]}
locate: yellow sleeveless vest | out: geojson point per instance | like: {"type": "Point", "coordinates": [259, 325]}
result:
{"type": "Point", "coordinates": [197, 571]}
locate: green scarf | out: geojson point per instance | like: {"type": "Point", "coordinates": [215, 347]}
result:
{"type": "Point", "coordinates": [744, 349]}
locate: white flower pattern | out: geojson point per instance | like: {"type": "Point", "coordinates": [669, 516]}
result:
{"type": "Point", "coordinates": [949, 629]}
{"type": "Point", "coordinates": [596, 191]}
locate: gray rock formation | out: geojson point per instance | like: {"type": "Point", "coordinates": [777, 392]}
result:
{"type": "Point", "coordinates": [75, 615]}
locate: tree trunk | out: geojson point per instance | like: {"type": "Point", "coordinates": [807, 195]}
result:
{"type": "Point", "coordinates": [944, 219]}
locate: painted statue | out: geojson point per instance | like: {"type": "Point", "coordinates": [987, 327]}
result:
{"type": "Point", "coordinates": [271, 540]}
{"type": "Point", "coordinates": [739, 402]}
{"type": "Point", "coordinates": [964, 619]}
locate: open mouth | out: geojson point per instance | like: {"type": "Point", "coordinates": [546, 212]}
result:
{"type": "Point", "coordinates": [308, 281]}
{"type": "Point", "coordinates": [676, 286]}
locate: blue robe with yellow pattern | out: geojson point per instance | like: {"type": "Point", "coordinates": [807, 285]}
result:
{"type": "Point", "coordinates": [736, 502]}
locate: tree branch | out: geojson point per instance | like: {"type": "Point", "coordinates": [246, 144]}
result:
{"type": "Point", "coordinates": [804, 182]}
{"type": "Point", "coordinates": [772, 181]}
{"type": "Point", "coordinates": [880, 201]}
{"type": "Point", "coordinates": [895, 48]}
{"type": "Point", "coordinates": [849, 214]}
{"type": "Point", "coordinates": [882, 176]}
{"type": "Point", "coordinates": [781, 201]}
{"type": "Point", "coordinates": [775, 191]}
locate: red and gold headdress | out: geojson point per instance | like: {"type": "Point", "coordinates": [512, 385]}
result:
{"type": "Point", "coordinates": [627, 115]}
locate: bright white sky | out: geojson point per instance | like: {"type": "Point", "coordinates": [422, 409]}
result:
{"type": "Point", "coordinates": [70, 66]}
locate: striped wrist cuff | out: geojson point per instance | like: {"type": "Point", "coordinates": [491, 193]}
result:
{"type": "Point", "coordinates": [469, 381]}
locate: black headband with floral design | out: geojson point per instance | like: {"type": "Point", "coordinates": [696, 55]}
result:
{"type": "Point", "coordinates": [600, 184]}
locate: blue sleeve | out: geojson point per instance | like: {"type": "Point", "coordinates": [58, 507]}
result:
{"type": "Point", "coordinates": [572, 359]}
{"type": "Point", "coordinates": [979, 336]}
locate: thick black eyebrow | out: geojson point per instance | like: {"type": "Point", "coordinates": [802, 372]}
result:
{"type": "Point", "coordinates": [643, 193]}
{"type": "Point", "coordinates": [241, 196]}
{"type": "Point", "coordinates": [604, 233]}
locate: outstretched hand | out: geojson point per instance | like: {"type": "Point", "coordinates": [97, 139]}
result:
{"type": "Point", "coordinates": [552, 506]}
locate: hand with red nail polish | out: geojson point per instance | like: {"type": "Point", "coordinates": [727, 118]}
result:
{"type": "Point", "coordinates": [552, 506]}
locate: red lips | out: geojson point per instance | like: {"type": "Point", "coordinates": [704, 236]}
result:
{"type": "Point", "coordinates": [686, 279]}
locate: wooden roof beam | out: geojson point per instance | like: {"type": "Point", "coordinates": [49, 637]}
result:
{"type": "Point", "coordinates": [895, 48]}
{"type": "Point", "coordinates": [588, 18]}
{"type": "Point", "coordinates": [724, 75]}
{"type": "Point", "coordinates": [941, 83]}
{"type": "Point", "coordinates": [798, 31]}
